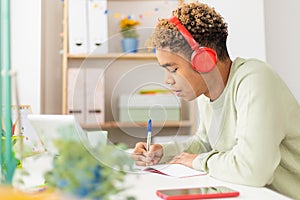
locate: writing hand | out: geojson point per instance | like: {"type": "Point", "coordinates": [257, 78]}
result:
{"type": "Point", "coordinates": [142, 157]}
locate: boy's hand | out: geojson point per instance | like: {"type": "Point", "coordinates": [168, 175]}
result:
{"type": "Point", "coordinates": [142, 157]}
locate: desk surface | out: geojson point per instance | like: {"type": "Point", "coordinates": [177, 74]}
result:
{"type": "Point", "coordinates": [144, 185]}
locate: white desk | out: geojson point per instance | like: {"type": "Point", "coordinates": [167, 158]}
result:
{"type": "Point", "coordinates": [144, 185]}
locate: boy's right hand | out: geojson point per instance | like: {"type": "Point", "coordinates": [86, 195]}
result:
{"type": "Point", "coordinates": [142, 157]}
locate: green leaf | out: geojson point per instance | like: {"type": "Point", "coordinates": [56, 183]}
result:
{"type": "Point", "coordinates": [77, 168]}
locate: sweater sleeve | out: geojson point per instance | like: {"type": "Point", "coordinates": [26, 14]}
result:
{"type": "Point", "coordinates": [194, 145]}
{"type": "Point", "coordinates": [198, 143]}
{"type": "Point", "coordinates": [260, 119]}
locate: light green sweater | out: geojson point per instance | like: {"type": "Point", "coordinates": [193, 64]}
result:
{"type": "Point", "coordinates": [251, 134]}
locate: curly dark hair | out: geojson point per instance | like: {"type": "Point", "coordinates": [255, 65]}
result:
{"type": "Point", "coordinates": [203, 22]}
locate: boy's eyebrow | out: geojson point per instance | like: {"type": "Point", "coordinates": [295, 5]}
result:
{"type": "Point", "coordinates": [167, 65]}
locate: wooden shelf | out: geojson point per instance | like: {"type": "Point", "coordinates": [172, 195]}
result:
{"type": "Point", "coordinates": [113, 124]}
{"type": "Point", "coordinates": [114, 55]}
{"type": "Point", "coordinates": [143, 57]}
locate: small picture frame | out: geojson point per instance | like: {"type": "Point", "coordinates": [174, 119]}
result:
{"type": "Point", "coordinates": [31, 144]}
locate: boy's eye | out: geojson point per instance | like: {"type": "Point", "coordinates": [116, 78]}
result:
{"type": "Point", "coordinates": [173, 70]}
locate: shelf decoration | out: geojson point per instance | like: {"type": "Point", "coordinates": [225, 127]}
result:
{"type": "Point", "coordinates": [149, 13]}
{"type": "Point", "coordinates": [130, 35]}
{"type": "Point", "coordinates": [7, 159]}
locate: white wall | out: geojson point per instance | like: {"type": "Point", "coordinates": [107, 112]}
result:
{"type": "Point", "coordinates": [246, 26]}
{"type": "Point", "coordinates": [26, 50]}
{"type": "Point", "coordinates": [283, 40]}
{"type": "Point", "coordinates": [281, 24]}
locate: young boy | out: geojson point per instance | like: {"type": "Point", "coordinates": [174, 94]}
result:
{"type": "Point", "coordinates": [249, 129]}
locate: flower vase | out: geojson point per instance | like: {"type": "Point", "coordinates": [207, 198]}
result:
{"type": "Point", "coordinates": [130, 45]}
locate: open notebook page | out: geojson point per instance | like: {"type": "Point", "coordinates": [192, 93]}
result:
{"type": "Point", "coordinates": [174, 170]}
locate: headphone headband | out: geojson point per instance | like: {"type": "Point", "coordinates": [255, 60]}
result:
{"type": "Point", "coordinates": [203, 59]}
{"type": "Point", "coordinates": [184, 32]}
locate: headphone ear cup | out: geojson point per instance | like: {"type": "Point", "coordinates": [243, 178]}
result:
{"type": "Point", "coordinates": [204, 59]}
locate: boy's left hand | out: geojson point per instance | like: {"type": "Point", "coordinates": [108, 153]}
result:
{"type": "Point", "coordinates": [184, 159]}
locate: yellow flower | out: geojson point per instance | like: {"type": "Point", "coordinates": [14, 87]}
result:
{"type": "Point", "coordinates": [125, 22]}
{"type": "Point", "coordinates": [128, 28]}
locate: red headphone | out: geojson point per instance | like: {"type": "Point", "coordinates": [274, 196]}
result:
{"type": "Point", "coordinates": [203, 59]}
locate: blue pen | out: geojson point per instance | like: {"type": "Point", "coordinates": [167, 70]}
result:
{"type": "Point", "coordinates": [149, 134]}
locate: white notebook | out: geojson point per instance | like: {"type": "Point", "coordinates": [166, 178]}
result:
{"type": "Point", "coordinates": [173, 170]}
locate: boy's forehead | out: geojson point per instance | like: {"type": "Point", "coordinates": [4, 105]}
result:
{"type": "Point", "coordinates": [166, 56]}
{"type": "Point", "coordinates": [170, 59]}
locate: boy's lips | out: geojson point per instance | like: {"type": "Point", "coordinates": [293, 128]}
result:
{"type": "Point", "coordinates": [177, 92]}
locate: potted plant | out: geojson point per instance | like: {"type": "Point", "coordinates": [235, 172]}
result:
{"type": "Point", "coordinates": [130, 35]}
{"type": "Point", "coordinates": [77, 170]}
